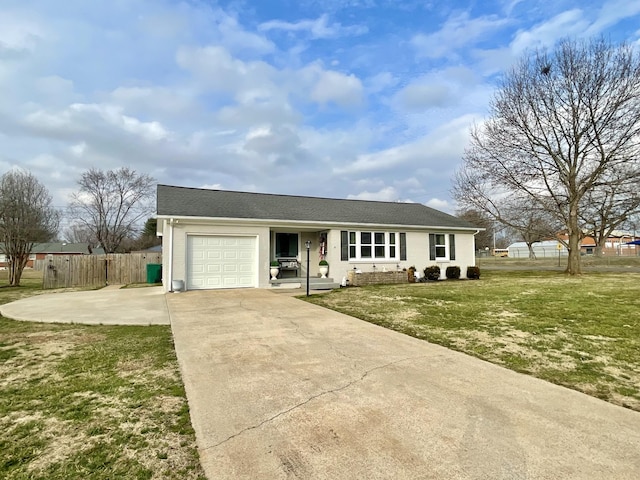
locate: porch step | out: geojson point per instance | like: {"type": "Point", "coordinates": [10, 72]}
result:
{"type": "Point", "coordinates": [315, 283]}
{"type": "Point", "coordinates": [320, 284]}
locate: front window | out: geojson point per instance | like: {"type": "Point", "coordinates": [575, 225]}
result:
{"type": "Point", "coordinates": [286, 245]}
{"type": "Point", "coordinates": [365, 244]}
{"type": "Point", "coordinates": [372, 245]}
{"type": "Point", "coordinates": [441, 246]}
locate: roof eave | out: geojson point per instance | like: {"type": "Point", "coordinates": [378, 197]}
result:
{"type": "Point", "coordinates": [307, 223]}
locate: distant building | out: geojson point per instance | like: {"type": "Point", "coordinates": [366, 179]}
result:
{"type": "Point", "coordinates": [616, 245]}
{"type": "Point", "coordinates": [545, 249]}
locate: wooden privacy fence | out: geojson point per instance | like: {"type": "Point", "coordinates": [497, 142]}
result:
{"type": "Point", "coordinates": [62, 271]}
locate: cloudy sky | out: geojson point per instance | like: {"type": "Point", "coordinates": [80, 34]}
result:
{"type": "Point", "coordinates": [369, 99]}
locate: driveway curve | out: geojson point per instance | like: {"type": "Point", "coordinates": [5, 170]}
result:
{"type": "Point", "coordinates": [107, 306]}
{"type": "Point", "coordinates": [279, 388]}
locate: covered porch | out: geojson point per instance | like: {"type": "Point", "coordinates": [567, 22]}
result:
{"type": "Point", "coordinates": [291, 250]}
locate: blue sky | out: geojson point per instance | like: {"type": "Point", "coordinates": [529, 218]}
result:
{"type": "Point", "coordinates": [369, 99]}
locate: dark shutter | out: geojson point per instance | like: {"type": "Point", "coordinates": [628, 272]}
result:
{"type": "Point", "coordinates": [403, 246]}
{"type": "Point", "coordinates": [452, 247]}
{"type": "Point", "coordinates": [344, 246]}
{"type": "Point", "coordinates": [432, 246]}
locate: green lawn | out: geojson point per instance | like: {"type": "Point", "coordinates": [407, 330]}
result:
{"type": "Point", "coordinates": [583, 332]}
{"type": "Point", "coordinates": [93, 402]}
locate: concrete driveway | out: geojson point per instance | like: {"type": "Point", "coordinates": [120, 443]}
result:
{"type": "Point", "coordinates": [279, 388]}
{"type": "Point", "coordinates": [108, 306]}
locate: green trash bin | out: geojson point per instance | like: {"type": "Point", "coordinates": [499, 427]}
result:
{"type": "Point", "coordinates": [154, 273]}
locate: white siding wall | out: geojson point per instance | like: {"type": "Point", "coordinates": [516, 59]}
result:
{"type": "Point", "coordinates": [417, 254]}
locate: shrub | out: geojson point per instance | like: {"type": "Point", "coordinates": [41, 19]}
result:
{"type": "Point", "coordinates": [411, 274]}
{"type": "Point", "coordinates": [432, 272]}
{"type": "Point", "coordinates": [473, 273]}
{"type": "Point", "coordinates": [323, 263]}
{"type": "Point", "coordinates": [452, 273]}
{"type": "Point", "coordinates": [275, 263]}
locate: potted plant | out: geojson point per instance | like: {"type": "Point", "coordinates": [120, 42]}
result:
{"type": "Point", "coordinates": [275, 269]}
{"type": "Point", "coordinates": [324, 268]}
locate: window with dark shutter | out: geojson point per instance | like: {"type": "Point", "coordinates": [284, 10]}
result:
{"type": "Point", "coordinates": [452, 246]}
{"type": "Point", "coordinates": [344, 245]}
{"type": "Point", "coordinates": [403, 246]}
{"type": "Point", "coordinates": [432, 246]}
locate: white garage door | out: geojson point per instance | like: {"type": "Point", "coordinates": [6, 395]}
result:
{"type": "Point", "coordinates": [221, 262]}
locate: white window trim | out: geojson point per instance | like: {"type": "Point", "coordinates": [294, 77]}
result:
{"type": "Point", "coordinates": [445, 258]}
{"type": "Point", "coordinates": [387, 247]}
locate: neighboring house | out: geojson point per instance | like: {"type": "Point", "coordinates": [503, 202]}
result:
{"type": "Point", "coordinates": [222, 239]}
{"type": "Point", "coordinates": [41, 251]}
{"type": "Point", "coordinates": [154, 249]}
{"type": "Point", "coordinates": [614, 245]}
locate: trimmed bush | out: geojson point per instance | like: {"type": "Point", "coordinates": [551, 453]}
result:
{"type": "Point", "coordinates": [432, 272]}
{"type": "Point", "coordinates": [473, 273]}
{"type": "Point", "coordinates": [452, 273]}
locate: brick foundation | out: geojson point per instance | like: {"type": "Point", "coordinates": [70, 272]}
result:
{"type": "Point", "coordinates": [376, 278]}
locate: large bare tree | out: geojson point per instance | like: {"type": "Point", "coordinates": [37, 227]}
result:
{"type": "Point", "coordinates": [112, 204]}
{"type": "Point", "coordinates": [26, 218]}
{"type": "Point", "coordinates": [561, 125]}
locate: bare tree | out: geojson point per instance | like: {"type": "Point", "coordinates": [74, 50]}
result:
{"type": "Point", "coordinates": [26, 218]}
{"type": "Point", "coordinates": [77, 233]}
{"type": "Point", "coordinates": [531, 223]}
{"type": "Point", "coordinates": [484, 238]}
{"type": "Point", "coordinates": [609, 207]}
{"type": "Point", "coordinates": [112, 204]}
{"type": "Point", "coordinates": [562, 124]}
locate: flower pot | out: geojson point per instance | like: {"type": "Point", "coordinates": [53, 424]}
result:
{"type": "Point", "coordinates": [324, 269]}
{"type": "Point", "coordinates": [274, 271]}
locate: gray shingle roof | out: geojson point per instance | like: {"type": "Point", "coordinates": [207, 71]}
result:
{"type": "Point", "coordinates": [195, 202]}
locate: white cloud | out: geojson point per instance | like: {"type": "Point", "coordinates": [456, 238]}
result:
{"type": "Point", "coordinates": [459, 30]}
{"type": "Point", "coordinates": [318, 28]}
{"type": "Point", "coordinates": [381, 81]}
{"type": "Point", "coordinates": [18, 34]}
{"type": "Point", "coordinates": [611, 13]}
{"type": "Point", "coordinates": [218, 70]}
{"type": "Point", "coordinates": [444, 144]}
{"type": "Point", "coordinates": [336, 87]}
{"type": "Point", "coordinates": [386, 194]}
{"type": "Point", "coordinates": [80, 118]}
{"type": "Point", "coordinates": [442, 205]}
{"type": "Point", "coordinates": [545, 34]}
{"type": "Point", "coordinates": [236, 38]}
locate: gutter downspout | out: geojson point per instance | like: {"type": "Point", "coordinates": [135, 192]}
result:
{"type": "Point", "coordinates": [170, 280]}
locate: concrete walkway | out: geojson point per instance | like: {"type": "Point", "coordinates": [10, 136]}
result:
{"type": "Point", "coordinates": [107, 306]}
{"type": "Point", "coordinates": [279, 388]}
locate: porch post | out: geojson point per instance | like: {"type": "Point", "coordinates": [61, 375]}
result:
{"type": "Point", "coordinates": [308, 245]}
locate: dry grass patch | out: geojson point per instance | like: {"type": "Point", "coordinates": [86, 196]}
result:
{"type": "Point", "coordinates": [95, 402]}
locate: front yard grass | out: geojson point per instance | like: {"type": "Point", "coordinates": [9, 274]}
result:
{"type": "Point", "coordinates": [97, 402]}
{"type": "Point", "coordinates": [583, 333]}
